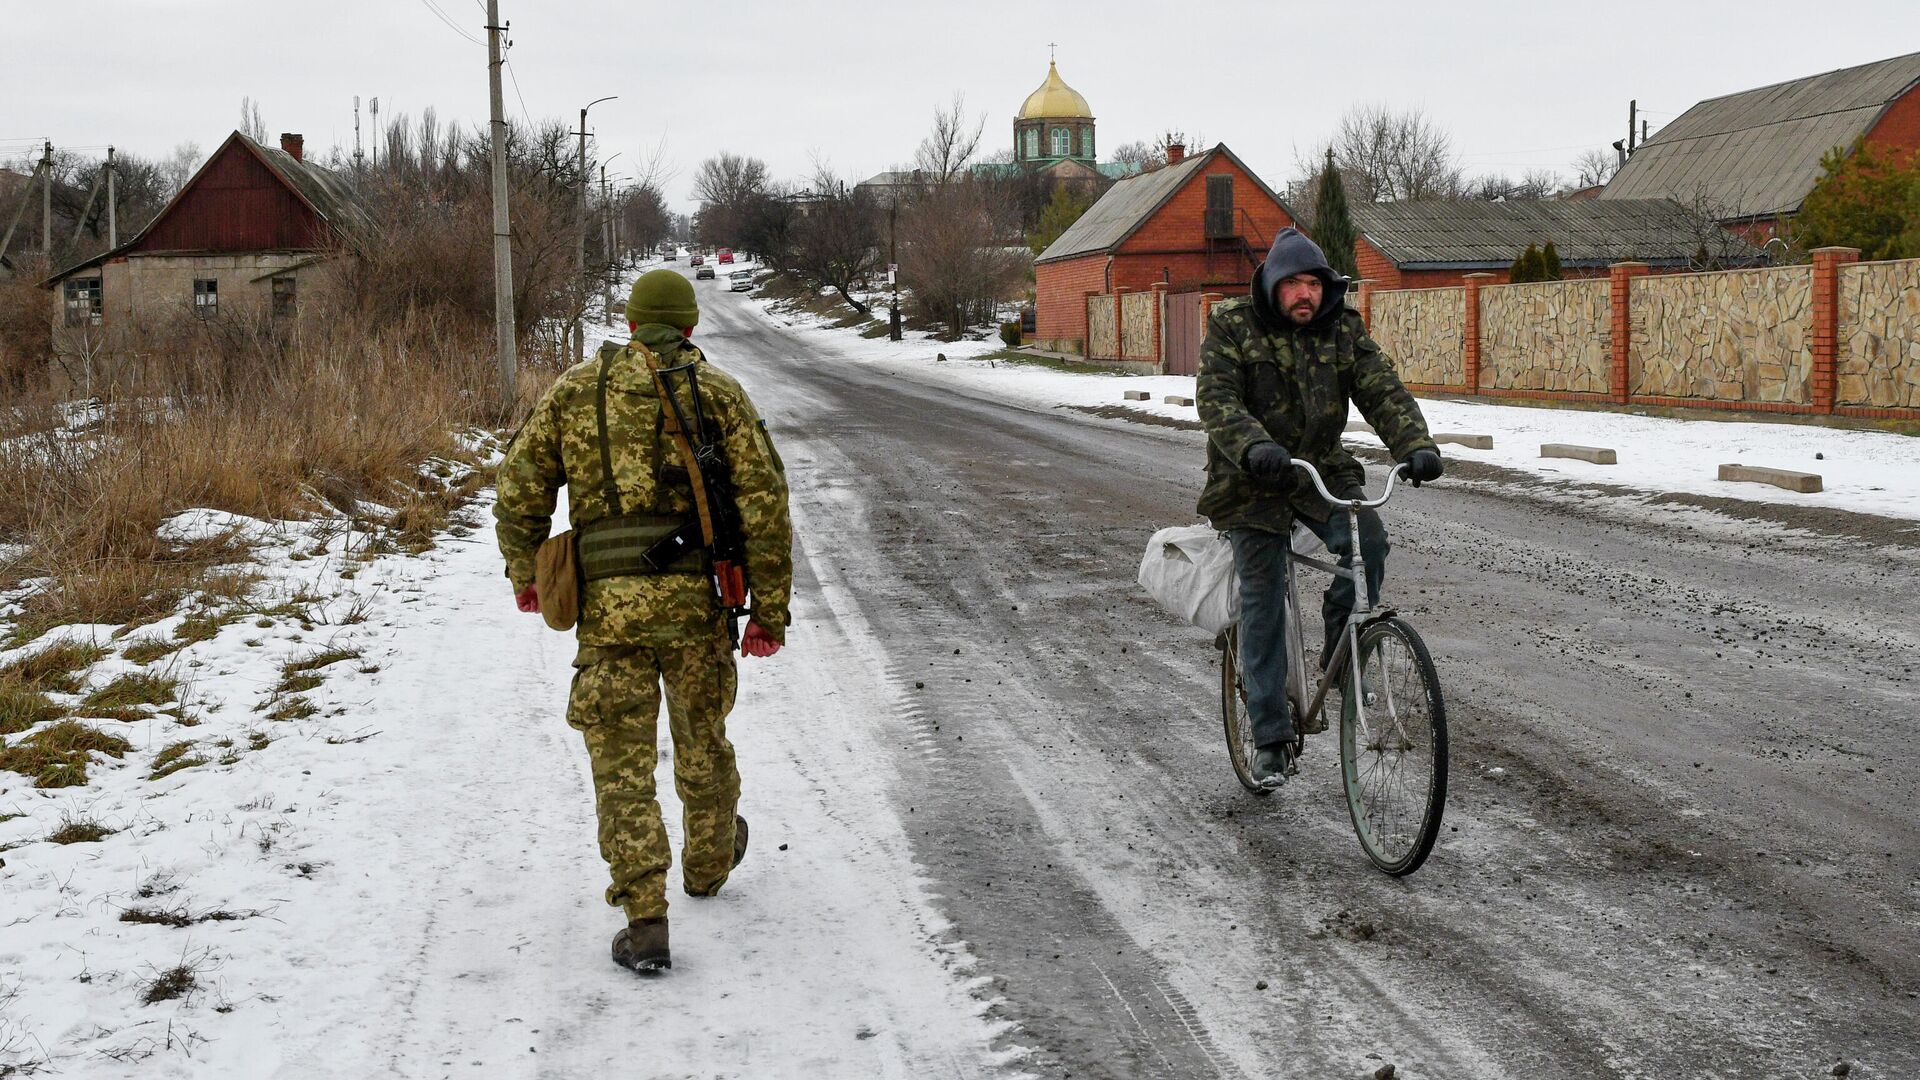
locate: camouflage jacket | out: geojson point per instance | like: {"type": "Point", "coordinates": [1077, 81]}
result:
{"type": "Point", "coordinates": [1291, 386]}
{"type": "Point", "coordinates": [559, 445]}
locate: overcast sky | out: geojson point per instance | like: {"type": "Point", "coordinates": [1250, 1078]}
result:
{"type": "Point", "coordinates": [1518, 85]}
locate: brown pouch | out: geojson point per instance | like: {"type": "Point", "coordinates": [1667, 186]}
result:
{"type": "Point", "coordinates": [556, 575]}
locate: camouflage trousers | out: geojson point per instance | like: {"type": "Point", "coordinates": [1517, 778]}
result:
{"type": "Point", "coordinates": [615, 703]}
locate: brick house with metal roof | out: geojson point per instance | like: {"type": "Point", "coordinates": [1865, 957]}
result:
{"type": "Point", "coordinates": [1436, 243]}
{"type": "Point", "coordinates": [245, 232]}
{"type": "Point", "coordinates": [1200, 223]}
{"type": "Point", "coordinates": [1750, 159]}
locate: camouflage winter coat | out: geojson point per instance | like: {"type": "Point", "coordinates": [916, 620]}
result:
{"type": "Point", "coordinates": [559, 445]}
{"type": "Point", "coordinates": [1263, 381]}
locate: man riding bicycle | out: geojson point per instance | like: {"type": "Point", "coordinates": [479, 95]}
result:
{"type": "Point", "coordinates": [1277, 370]}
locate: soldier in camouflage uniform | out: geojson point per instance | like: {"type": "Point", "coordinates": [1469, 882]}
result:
{"type": "Point", "coordinates": [642, 631]}
{"type": "Point", "coordinates": [1277, 370]}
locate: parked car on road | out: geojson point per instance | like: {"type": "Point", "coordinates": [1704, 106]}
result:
{"type": "Point", "coordinates": [726, 255]}
{"type": "Point", "coordinates": [740, 281]}
{"type": "Point", "coordinates": [705, 271]}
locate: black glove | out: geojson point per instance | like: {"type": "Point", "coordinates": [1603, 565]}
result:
{"type": "Point", "coordinates": [1269, 459]}
{"type": "Point", "coordinates": [1423, 465]}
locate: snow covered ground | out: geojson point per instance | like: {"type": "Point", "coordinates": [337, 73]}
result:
{"type": "Point", "coordinates": [1874, 472]}
{"type": "Point", "coordinates": [383, 863]}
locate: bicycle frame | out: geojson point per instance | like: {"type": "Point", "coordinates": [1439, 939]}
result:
{"type": "Point", "coordinates": [1364, 609]}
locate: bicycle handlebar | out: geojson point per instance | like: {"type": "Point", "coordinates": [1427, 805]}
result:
{"type": "Point", "coordinates": [1393, 480]}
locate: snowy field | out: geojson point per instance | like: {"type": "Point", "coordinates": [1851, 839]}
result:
{"type": "Point", "coordinates": [376, 856]}
{"type": "Point", "coordinates": [1874, 472]}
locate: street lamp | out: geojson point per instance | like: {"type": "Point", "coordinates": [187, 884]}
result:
{"type": "Point", "coordinates": [608, 235]}
{"type": "Point", "coordinates": [580, 256]}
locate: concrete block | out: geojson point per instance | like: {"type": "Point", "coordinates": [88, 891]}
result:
{"type": "Point", "coordinates": [1803, 482]}
{"type": "Point", "coordinates": [1471, 442]}
{"type": "Point", "coordinates": [1137, 395]}
{"type": "Point", "coordinates": [1598, 455]}
{"type": "Point", "coordinates": [1176, 399]}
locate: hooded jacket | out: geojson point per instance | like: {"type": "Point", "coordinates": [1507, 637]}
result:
{"type": "Point", "coordinates": [1265, 379]}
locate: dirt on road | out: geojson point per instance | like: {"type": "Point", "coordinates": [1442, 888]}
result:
{"type": "Point", "coordinates": [1680, 839]}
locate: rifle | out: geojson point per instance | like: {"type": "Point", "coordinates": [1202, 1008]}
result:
{"type": "Point", "coordinates": [719, 515]}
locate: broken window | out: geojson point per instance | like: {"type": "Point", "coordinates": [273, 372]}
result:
{"type": "Point", "coordinates": [283, 294]}
{"type": "Point", "coordinates": [206, 297]}
{"type": "Point", "coordinates": [83, 301]}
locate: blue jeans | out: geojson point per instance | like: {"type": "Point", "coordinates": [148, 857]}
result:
{"type": "Point", "coordinates": [1260, 558]}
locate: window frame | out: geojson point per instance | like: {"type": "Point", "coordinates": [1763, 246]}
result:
{"type": "Point", "coordinates": [284, 303]}
{"type": "Point", "coordinates": [82, 293]}
{"type": "Point", "coordinates": [1032, 143]}
{"type": "Point", "coordinates": [1062, 142]}
{"type": "Point", "coordinates": [206, 298]}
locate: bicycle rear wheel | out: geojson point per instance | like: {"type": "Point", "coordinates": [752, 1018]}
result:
{"type": "Point", "coordinates": [1233, 710]}
{"type": "Point", "coordinates": [1393, 748]}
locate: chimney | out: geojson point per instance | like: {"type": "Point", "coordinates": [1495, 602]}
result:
{"type": "Point", "coordinates": [294, 144]}
{"type": "Point", "coordinates": [1176, 153]}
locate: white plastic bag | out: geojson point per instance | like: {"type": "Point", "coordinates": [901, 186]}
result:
{"type": "Point", "coordinates": [1188, 569]}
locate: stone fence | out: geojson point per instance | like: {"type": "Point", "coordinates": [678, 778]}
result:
{"type": "Point", "coordinates": [1835, 337]}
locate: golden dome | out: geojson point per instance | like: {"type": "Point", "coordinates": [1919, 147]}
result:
{"type": "Point", "coordinates": [1055, 100]}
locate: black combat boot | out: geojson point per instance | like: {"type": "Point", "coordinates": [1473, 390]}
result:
{"type": "Point", "coordinates": [642, 946]}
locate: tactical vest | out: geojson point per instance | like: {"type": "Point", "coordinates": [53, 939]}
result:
{"type": "Point", "coordinates": [623, 544]}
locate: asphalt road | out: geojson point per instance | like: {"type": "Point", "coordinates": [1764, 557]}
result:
{"type": "Point", "coordinates": [1681, 838]}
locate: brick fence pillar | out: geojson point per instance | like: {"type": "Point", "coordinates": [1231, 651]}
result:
{"type": "Point", "coordinates": [1120, 321]}
{"type": "Point", "coordinates": [1363, 289]}
{"type": "Point", "coordinates": [1827, 262]}
{"type": "Point", "coordinates": [1159, 326]}
{"type": "Point", "coordinates": [1472, 283]}
{"type": "Point", "coordinates": [1207, 300]}
{"type": "Point", "coordinates": [1620, 286]}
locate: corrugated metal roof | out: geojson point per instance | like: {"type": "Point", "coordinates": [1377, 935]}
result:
{"type": "Point", "coordinates": [1462, 234]}
{"type": "Point", "coordinates": [1128, 204]}
{"type": "Point", "coordinates": [1122, 209]}
{"type": "Point", "coordinates": [1757, 153]}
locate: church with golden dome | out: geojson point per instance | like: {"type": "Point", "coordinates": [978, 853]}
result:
{"type": "Point", "coordinates": [1055, 124]}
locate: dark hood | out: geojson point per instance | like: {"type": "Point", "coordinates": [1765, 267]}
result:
{"type": "Point", "coordinates": [1292, 253]}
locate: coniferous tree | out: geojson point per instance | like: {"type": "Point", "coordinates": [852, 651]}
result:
{"type": "Point", "coordinates": [1332, 225]}
{"type": "Point", "coordinates": [1527, 267]}
{"type": "Point", "coordinates": [1549, 263]}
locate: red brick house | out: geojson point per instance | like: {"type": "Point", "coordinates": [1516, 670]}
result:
{"type": "Point", "coordinates": [1750, 159]}
{"type": "Point", "coordinates": [1202, 223]}
{"type": "Point", "coordinates": [1437, 242]}
{"type": "Point", "coordinates": [244, 234]}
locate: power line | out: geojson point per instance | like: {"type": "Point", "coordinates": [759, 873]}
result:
{"type": "Point", "coordinates": [451, 25]}
{"type": "Point", "coordinates": [515, 79]}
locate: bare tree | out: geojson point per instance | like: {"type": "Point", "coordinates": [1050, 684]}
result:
{"type": "Point", "coordinates": [1388, 156]}
{"type": "Point", "coordinates": [1151, 156]}
{"type": "Point", "coordinates": [727, 186]}
{"type": "Point", "coordinates": [954, 258]}
{"type": "Point", "coordinates": [836, 240]}
{"type": "Point", "coordinates": [250, 123]}
{"type": "Point", "coordinates": [1533, 184]}
{"type": "Point", "coordinates": [179, 166]}
{"type": "Point", "coordinates": [1594, 167]}
{"type": "Point", "coordinates": [945, 152]}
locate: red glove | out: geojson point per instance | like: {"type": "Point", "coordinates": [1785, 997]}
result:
{"type": "Point", "coordinates": [528, 599]}
{"type": "Point", "coordinates": [757, 642]}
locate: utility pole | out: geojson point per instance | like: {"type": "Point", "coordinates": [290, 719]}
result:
{"type": "Point", "coordinates": [46, 208]}
{"type": "Point", "coordinates": [375, 109]}
{"type": "Point", "coordinates": [893, 264]}
{"type": "Point", "coordinates": [606, 237]}
{"type": "Point", "coordinates": [113, 210]}
{"type": "Point", "coordinates": [1633, 123]}
{"type": "Point", "coordinates": [502, 226]}
{"type": "Point", "coordinates": [6, 242]}
{"type": "Point", "coordinates": [580, 251]}
{"type": "Point", "coordinates": [358, 158]}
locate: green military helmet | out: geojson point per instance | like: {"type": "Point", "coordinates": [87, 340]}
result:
{"type": "Point", "coordinates": [663, 296]}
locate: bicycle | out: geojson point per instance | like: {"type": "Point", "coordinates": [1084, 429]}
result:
{"type": "Point", "coordinates": [1393, 721]}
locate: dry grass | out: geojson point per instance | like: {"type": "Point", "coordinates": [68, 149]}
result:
{"type": "Point", "coordinates": [302, 673]}
{"type": "Point", "coordinates": [57, 756]}
{"type": "Point", "coordinates": [267, 425]}
{"type": "Point", "coordinates": [58, 668]}
{"type": "Point", "coordinates": [79, 830]}
{"type": "Point", "coordinates": [133, 688]}
{"type": "Point", "coordinates": [173, 758]}
{"type": "Point", "coordinates": [21, 707]}
{"type": "Point", "coordinates": [147, 649]}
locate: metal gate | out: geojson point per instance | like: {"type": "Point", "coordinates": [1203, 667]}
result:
{"type": "Point", "coordinates": [1183, 330]}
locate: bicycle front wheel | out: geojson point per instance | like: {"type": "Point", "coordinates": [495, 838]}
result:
{"type": "Point", "coordinates": [1233, 710]}
{"type": "Point", "coordinates": [1393, 747]}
